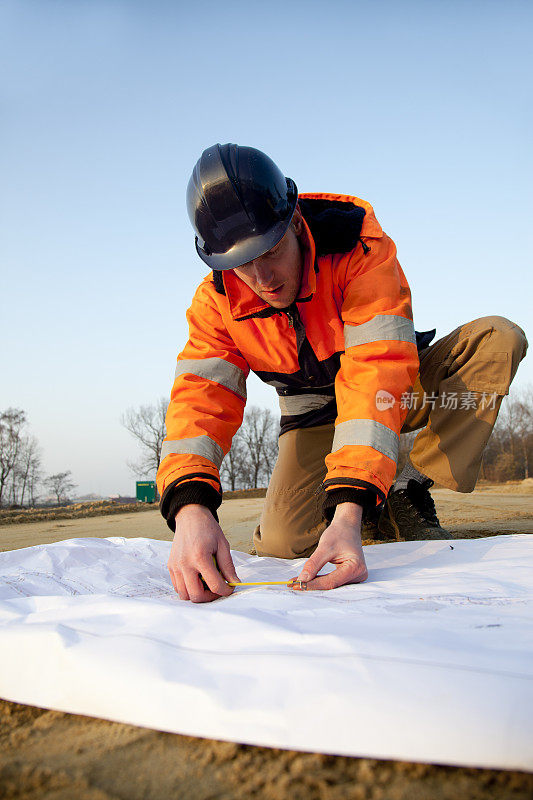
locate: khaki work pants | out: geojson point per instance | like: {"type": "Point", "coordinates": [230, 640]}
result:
{"type": "Point", "coordinates": [462, 380]}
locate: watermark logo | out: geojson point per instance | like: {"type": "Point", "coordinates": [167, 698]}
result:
{"type": "Point", "coordinates": [384, 400]}
{"type": "Point", "coordinates": [451, 401]}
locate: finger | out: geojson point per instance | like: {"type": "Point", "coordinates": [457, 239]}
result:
{"type": "Point", "coordinates": [225, 563]}
{"type": "Point", "coordinates": [213, 578]}
{"type": "Point", "coordinates": [179, 585]}
{"type": "Point", "coordinates": [173, 580]}
{"type": "Point", "coordinates": [313, 565]}
{"type": "Point", "coordinates": [172, 577]}
{"type": "Point", "coordinates": [195, 589]}
{"type": "Point", "coordinates": [345, 573]}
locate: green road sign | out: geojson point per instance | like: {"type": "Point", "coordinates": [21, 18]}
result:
{"type": "Point", "coordinates": [146, 491]}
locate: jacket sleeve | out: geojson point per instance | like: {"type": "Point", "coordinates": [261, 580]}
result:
{"type": "Point", "coordinates": [206, 409]}
{"type": "Point", "coordinates": [380, 362]}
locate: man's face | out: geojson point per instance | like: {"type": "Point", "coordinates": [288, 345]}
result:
{"type": "Point", "coordinates": [276, 275]}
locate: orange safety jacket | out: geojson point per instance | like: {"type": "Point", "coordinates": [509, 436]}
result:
{"type": "Point", "coordinates": [345, 351]}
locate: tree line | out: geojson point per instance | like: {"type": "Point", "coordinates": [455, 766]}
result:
{"type": "Point", "coordinates": [21, 473]}
{"type": "Point", "coordinates": [250, 461]}
{"type": "Point", "coordinates": [248, 465]}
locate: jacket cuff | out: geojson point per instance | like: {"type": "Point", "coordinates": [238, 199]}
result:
{"type": "Point", "coordinates": [363, 497]}
{"type": "Point", "coordinates": [181, 494]}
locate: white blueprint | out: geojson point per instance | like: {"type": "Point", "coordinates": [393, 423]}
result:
{"type": "Point", "coordinates": [430, 660]}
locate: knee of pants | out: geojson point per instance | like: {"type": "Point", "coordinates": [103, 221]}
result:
{"type": "Point", "coordinates": [274, 538]}
{"type": "Point", "coordinates": [271, 541]}
{"type": "Point", "coordinates": [506, 335]}
{"type": "Point", "coordinates": [502, 345]}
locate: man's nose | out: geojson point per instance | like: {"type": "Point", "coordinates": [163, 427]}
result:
{"type": "Point", "coordinates": [263, 273]}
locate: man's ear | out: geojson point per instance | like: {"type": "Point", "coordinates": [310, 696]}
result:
{"type": "Point", "coordinates": [296, 222]}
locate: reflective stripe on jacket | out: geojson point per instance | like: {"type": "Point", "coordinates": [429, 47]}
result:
{"type": "Point", "coordinates": [345, 351]}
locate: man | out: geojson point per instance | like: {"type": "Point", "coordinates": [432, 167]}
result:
{"type": "Point", "coordinates": [306, 291]}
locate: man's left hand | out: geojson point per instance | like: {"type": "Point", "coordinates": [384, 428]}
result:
{"type": "Point", "coordinates": [340, 544]}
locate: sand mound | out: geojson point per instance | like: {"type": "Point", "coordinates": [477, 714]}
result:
{"type": "Point", "coordinates": [47, 755]}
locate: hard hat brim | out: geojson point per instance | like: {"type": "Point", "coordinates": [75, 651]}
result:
{"type": "Point", "coordinates": [246, 251]}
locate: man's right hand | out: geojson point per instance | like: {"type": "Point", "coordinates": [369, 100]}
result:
{"type": "Point", "coordinates": [197, 539]}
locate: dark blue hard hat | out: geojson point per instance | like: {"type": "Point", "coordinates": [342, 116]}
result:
{"type": "Point", "coordinates": [240, 205]}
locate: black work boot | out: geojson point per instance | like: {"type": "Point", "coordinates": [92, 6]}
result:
{"type": "Point", "coordinates": [409, 514]}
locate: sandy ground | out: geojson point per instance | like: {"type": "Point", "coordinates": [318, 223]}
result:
{"type": "Point", "coordinates": [48, 754]}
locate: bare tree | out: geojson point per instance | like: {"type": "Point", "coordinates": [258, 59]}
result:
{"type": "Point", "coordinates": [509, 451]}
{"type": "Point", "coordinates": [235, 469]}
{"type": "Point", "coordinates": [34, 478]}
{"type": "Point", "coordinates": [60, 484]}
{"type": "Point", "coordinates": [147, 425]}
{"type": "Point", "coordinates": [254, 450]}
{"type": "Point", "coordinates": [27, 470]}
{"type": "Point", "coordinates": [516, 419]}
{"type": "Point", "coordinates": [259, 432]}
{"type": "Point", "coordinates": [12, 422]}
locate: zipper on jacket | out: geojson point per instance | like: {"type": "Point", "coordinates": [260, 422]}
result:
{"type": "Point", "coordinates": [309, 363]}
{"type": "Point", "coordinates": [366, 248]}
{"type": "Point", "coordinates": [295, 322]}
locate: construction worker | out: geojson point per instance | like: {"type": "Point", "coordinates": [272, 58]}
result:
{"type": "Point", "coordinates": [307, 292]}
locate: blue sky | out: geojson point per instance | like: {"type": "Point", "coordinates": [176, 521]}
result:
{"type": "Point", "coordinates": [422, 108]}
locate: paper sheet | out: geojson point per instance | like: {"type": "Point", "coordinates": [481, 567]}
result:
{"type": "Point", "coordinates": [429, 660]}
